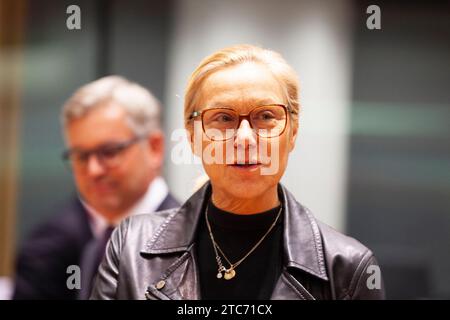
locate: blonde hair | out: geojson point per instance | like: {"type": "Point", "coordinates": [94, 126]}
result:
{"type": "Point", "coordinates": [239, 54]}
{"type": "Point", "coordinates": [141, 107]}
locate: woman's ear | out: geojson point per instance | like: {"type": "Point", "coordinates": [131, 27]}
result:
{"type": "Point", "coordinates": [293, 136]}
{"type": "Point", "coordinates": [195, 140]}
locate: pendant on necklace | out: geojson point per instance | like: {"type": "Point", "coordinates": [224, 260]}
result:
{"type": "Point", "coordinates": [229, 274]}
{"type": "Point", "coordinates": [221, 269]}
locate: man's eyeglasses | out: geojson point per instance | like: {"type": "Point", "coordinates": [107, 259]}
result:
{"type": "Point", "coordinates": [220, 124]}
{"type": "Point", "coordinates": [108, 155]}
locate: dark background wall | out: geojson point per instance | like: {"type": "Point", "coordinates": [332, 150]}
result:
{"type": "Point", "coordinates": [399, 170]}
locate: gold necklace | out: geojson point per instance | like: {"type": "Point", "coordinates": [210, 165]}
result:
{"type": "Point", "coordinates": [230, 273]}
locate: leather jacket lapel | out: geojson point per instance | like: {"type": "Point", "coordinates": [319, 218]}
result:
{"type": "Point", "coordinates": [301, 241]}
{"type": "Point", "coordinates": [288, 288]}
{"type": "Point", "coordinates": [179, 281]}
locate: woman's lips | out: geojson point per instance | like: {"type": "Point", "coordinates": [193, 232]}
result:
{"type": "Point", "coordinates": [246, 167]}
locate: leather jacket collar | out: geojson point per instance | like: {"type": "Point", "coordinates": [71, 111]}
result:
{"type": "Point", "coordinates": [300, 231]}
{"type": "Point", "coordinates": [154, 256]}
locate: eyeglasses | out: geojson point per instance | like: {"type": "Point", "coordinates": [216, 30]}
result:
{"type": "Point", "coordinates": [108, 155]}
{"type": "Point", "coordinates": [220, 124]}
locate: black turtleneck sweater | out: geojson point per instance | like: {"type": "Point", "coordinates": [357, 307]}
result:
{"type": "Point", "coordinates": [236, 235]}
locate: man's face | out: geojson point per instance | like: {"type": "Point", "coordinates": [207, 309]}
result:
{"type": "Point", "coordinates": [242, 88]}
{"type": "Point", "coordinates": [112, 189]}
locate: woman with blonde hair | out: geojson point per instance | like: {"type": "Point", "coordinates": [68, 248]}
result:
{"type": "Point", "coordinates": [242, 235]}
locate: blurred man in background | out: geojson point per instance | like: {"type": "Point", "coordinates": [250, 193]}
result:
{"type": "Point", "coordinates": [115, 151]}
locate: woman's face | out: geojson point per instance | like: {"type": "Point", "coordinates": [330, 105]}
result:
{"type": "Point", "coordinates": [246, 165]}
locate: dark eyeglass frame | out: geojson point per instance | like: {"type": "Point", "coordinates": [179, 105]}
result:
{"type": "Point", "coordinates": [118, 148]}
{"type": "Point", "coordinates": [246, 116]}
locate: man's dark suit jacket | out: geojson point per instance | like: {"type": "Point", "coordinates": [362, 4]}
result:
{"type": "Point", "coordinates": [41, 271]}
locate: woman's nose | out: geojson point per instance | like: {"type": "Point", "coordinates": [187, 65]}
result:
{"type": "Point", "coordinates": [245, 135]}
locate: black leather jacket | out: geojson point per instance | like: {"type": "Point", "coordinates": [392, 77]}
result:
{"type": "Point", "coordinates": [152, 256]}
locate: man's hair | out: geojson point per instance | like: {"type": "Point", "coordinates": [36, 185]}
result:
{"type": "Point", "coordinates": [236, 55]}
{"type": "Point", "coordinates": [141, 107]}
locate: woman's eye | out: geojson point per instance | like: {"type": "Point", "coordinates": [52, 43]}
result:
{"type": "Point", "coordinates": [265, 116]}
{"type": "Point", "coordinates": [224, 118]}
